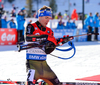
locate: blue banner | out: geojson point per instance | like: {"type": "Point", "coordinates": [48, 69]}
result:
{"type": "Point", "coordinates": [82, 38]}
{"type": "Point", "coordinates": [99, 34]}
{"type": "Point", "coordinates": [58, 33]}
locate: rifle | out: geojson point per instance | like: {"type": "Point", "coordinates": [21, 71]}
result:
{"type": "Point", "coordinates": [65, 39]}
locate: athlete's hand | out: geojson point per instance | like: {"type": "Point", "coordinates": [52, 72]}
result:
{"type": "Point", "coordinates": [71, 38]}
{"type": "Point", "coordinates": [48, 46]}
{"type": "Point", "coordinates": [68, 37]}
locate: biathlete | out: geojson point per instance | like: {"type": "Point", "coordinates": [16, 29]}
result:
{"type": "Point", "coordinates": [39, 34]}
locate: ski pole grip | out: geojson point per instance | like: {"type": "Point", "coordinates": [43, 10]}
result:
{"type": "Point", "coordinates": [97, 33]}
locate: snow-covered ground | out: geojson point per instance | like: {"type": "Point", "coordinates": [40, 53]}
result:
{"type": "Point", "coordinates": [86, 62]}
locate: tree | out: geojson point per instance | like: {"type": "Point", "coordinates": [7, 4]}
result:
{"type": "Point", "coordinates": [53, 5]}
{"type": "Point", "coordinates": [29, 7]}
{"type": "Point", "coordinates": [10, 1]}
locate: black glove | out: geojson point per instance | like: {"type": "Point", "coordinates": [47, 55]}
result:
{"type": "Point", "coordinates": [48, 46]}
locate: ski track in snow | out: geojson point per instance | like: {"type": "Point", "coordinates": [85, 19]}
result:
{"type": "Point", "coordinates": [86, 62]}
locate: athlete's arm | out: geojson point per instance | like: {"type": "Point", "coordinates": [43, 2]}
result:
{"type": "Point", "coordinates": [29, 31]}
{"type": "Point", "coordinates": [31, 37]}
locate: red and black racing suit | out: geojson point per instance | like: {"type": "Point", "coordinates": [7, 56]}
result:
{"type": "Point", "coordinates": [38, 67]}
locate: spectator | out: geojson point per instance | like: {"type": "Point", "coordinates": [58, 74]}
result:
{"type": "Point", "coordinates": [85, 25]}
{"type": "Point", "coordinates": [74, 15]}
{"type": "Point", "coordinates": [68, 25]}
{"type": "Point", "coordinates": [96, 25]}
{"type": "Point", "coordinates": [20, 18]}
{"type": "Point", "coordinates": [12, 23]}
{"type": "Point", "coordinates": [68, 17]}
{"type": "Point", "coordinates": [4, 22]}
{"type": "Point", "coordinates": [13, 14]}
{"type": "Point", "coordinates": [23, 12]}
{"type": "Point", "coordinates": [73, 25]}
{"type": "Point", "coordinates": [90, 24]}
{"type": "Point", "coordinates": [35, 15]}
{"type": "Point", "coordinates": [59, 15]}
{"type": "Point", "coordinates": [65, 16]}
{"type": "Point", "coordinates": [60, 24]}
{"type": "Point", "coordinates": [56, 16]}
{"type": "Point", "coordinates": [99, 21]}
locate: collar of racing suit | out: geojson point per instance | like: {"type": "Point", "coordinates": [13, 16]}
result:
{"type": "Point", "coordinates": [40, 26]}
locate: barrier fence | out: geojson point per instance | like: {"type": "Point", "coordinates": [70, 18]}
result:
{"type": "Point", "coordinates": [9, 36]}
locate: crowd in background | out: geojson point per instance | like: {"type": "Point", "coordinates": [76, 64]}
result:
{"type": "Point", "coordinates": [18, 24]}
{"type": "Point", "coordinates": [91, 22]}
{"type": "Point", "coordinates": [68, 25]}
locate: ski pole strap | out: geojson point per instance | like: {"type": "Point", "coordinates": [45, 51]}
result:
{"type": "Point", "coordinates": [72, 47]}
{"type": "Point", "coordinates": [70, 44]}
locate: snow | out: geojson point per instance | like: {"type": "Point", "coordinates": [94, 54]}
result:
{"type": "Point", "coordinates": [86, 62]}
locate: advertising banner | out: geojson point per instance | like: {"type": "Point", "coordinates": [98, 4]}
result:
{"type": "Point", "coordinates": [8, 36]}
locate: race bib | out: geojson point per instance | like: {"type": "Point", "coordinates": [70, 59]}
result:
{"type": "Point", "coordinates": [35, 54]}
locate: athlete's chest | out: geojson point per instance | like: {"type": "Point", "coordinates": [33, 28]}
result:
{"type": "Point", "coordinates": [38, 31]}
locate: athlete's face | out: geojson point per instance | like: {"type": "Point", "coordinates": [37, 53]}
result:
{"type": "Point", "coordinates": [44, 20]}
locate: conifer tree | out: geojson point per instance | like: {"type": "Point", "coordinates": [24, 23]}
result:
{"type": "Point", "coordinates": [10, 1]}
{"type": "Point", "coordinates": [53, 5]}
{"type": "Point", "coordinates": [29, 7]}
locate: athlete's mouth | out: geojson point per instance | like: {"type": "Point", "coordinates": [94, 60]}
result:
{"type": "Point", "coordinates": [46, 23]}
